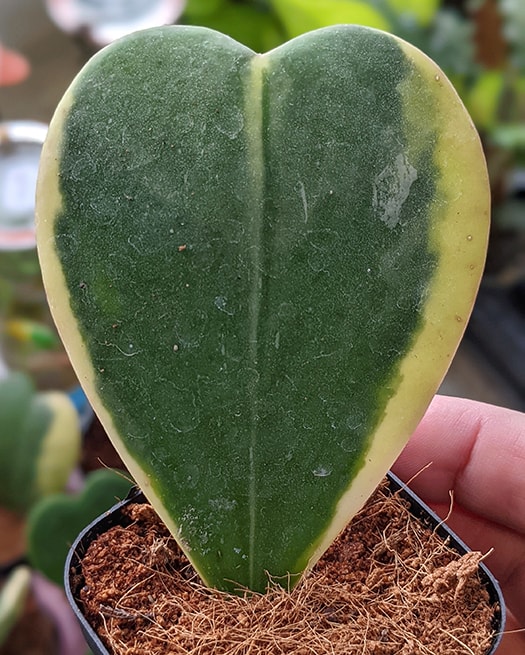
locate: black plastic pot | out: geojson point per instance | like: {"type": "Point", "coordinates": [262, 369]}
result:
{"type": "Point", "coordinates": [73, 575]}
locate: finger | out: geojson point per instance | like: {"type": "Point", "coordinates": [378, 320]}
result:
{"type": "Point", "coordinates": [13, 67]}
{"type": "Point", "coordinates": [476, 450]}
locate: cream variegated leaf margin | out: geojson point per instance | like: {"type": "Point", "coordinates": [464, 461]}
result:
{"type": "Point", "coordinates": [466, 221]}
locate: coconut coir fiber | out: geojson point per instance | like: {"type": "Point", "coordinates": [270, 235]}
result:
{"type": "Point", "coordinates": [387, 586]}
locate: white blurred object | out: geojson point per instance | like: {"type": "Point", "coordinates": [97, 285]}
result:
{"type": "Point", "coordinates": [20, 147]}
{"type": "Point", "coordinates": [103, 21]}
{"type": "Point", "coordinates": [4, 370]}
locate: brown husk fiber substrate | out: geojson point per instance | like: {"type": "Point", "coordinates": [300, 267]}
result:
{"type": "Point", "coordinates": [387, 586]}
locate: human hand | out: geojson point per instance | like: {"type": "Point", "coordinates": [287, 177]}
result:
{"type": "Point", "coordinates": [13, 67]}
{"type": "Point", "coordinates": [477, 452]}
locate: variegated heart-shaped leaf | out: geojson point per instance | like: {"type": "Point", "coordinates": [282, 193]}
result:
{"type": "Point", "coordinates": [261, 266]}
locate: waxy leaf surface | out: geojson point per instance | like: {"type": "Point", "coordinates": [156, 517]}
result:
{"type": "Point", "coordinates": [261, 266]}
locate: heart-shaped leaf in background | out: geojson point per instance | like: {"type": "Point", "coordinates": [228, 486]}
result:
{"type": "Point", "coordinates": [261, 266]}
{"type": "Point", "coordinates": [56, 520]}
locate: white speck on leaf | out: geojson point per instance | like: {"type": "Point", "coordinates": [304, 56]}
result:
{"type": "Point", "coordinates": [321, 472]}
{"type": "Point", "coordinates": [222, 504]}
{"type": "Point", "coordinates": [232, 123]}
{"type": "Point", "coordinates": [299, 187]}
{"type": "Point", "coordinates": [392, 188]}
{"type": "Point", "coordinates": [277, 340]}
{"type": "Point", "coordinates": [131, 352]}
{"type": "Point", "coordinates": [220, 302]}
{"type": "Point", "coordinates": [349, 446]}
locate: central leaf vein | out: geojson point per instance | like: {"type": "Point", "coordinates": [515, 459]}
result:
{"type": "Point", "coordinates": [254, 136]}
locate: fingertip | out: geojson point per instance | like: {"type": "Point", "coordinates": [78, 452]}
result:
{"type": "Point", "coordinates": [477, 450]}
{"type": "Point", "coordinates": [439, 448]}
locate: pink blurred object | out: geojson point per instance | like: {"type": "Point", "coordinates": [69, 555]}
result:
{"type": "Point", "coordinates": [14, 68]}
{"type": "Point", "coordinates": [52, 601]}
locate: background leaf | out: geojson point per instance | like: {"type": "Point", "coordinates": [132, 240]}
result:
{"type": "Point", "coordinates": [299, 16]}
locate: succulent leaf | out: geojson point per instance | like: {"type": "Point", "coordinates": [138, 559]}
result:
{"type": "Point", "coordinates": [12, 597]}
{"type": "Point", "coordinates": [55, 521]}
{"type": "Point", "coordinates": [261, 266]}
{"type": "Point", "coordinates": [39, 442]}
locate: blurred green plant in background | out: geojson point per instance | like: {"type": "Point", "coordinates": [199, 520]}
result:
{"type": "Point", "coordinates": [55, 521]}
{"type": "Point", "coordinates": [29, 340]}
{"type": "Point", "coordinates": [39, 442]}
{"type": "Point", "coordinates": [12, 597]}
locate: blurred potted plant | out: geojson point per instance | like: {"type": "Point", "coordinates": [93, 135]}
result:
{"type": "Point", "coordinates": [13, 594]}
{"type": "Point", "coordinates": [261, 267]}
{"type": "Point", "coordinates": [55, 521]}
{"type": "Point", "coordinates": [39, 446]}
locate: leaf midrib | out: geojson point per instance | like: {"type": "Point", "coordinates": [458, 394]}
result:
{"type": "Point", "coordinates": [254, 136]}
